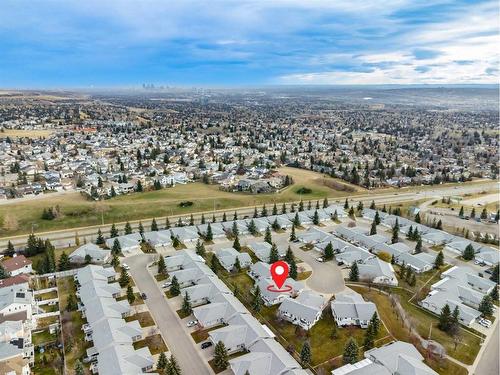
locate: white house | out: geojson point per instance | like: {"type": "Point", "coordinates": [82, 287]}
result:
{"type": "Point", "coordinates": [94, 252]}
{"type": "Point", "coordinates": [349, 308]}
{"type": "Point", "coordinates": [305, 310]}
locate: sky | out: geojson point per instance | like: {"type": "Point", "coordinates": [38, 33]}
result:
{"type": "Point", "coordinates": [106, 43]}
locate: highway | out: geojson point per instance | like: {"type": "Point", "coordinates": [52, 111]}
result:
{"type": "Point", "coordinates": [66, 237]}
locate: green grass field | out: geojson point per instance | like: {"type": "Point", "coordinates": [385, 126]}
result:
{"type": "Point", "coordinates": [77, 211]}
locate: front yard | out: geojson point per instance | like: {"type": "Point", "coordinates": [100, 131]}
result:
{"type": "Point", "coordinates": [155, 344]}
{"type": "Point", "coordinates": [144, 318]}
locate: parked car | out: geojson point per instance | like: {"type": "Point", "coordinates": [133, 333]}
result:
{"type": "Point", "coordinates": [192, 323]}
{"type": "Point", "coordinates": [125, 266]}
{"type": "Point", "coordinates": [320, 259]}
{"type": "Point", "coordinates": [167, 284]}
{"type": "Point", "coordinates": [206, 344]}
{"type": "Point", "coordinates": [144, 296]}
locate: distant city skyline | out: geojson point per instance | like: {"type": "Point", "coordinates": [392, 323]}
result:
{"type": "Point", "coordinates": [67, 44]}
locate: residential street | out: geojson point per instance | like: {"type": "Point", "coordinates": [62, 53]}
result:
{"type": "Point", "coordinates": [179, 343]}
{"type": "Point", "coordinates": [488, 362]}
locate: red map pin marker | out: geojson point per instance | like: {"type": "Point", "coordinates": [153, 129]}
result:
{"type": "Point", "coordinates": [279, 273]}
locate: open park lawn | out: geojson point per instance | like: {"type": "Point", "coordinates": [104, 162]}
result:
{"type": "Point", "coordinates": [77, 211]}
{"type": "Point", "coordinates": [466, 350]}
{"type": "Point", "coordinates": [144, 318]}
{"type": "Point", "coordinates": [155, 344]}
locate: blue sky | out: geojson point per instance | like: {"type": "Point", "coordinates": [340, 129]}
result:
{"type": "Point", "coordinates": [102, 43]}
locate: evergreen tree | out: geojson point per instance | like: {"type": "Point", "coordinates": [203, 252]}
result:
{"type": "Point", "coordinates": [495, 274]}
{"type": "Point", "coordinates": [167, 223]}
{"type": "Point", "coordinates": [63, 264]}
{"type": "Point", "coordinates": [461, 213]}
{"type": "Point", "coordinates": [454, 321]}
{"type": "Point", "coordinates": [186, 304]}
{"type": "Point", "coordinates": [117, 248]}
{"type": "Point", "coordinates": [100, 238]}
{"type": "Point", "coordinates": [3, 273]}
{"type": "Point", "coordinates": [468, 252]}
{"type": "Point", "coordinates": [350, 352]}
{"type": "Point", "coordinates": [376, 219]}
{"type": "Point", "coordinates": [410, 233]}
{"type": "Point", "coordinates": [354, 273]}
{"type": "Point", "coordinates": [372, 205]}
{"type": "Point", "coordinates": [289, 255]}
{"type": "Point", "coordinates": [154, 226]}
{"type": "Point", "coordinates": [175, 289]}
{"type": "Point", "coordinates": [486, 306]}
{"type": "Point", "coordinates": [130, 294]}
{"type": "Point", "coordinates": [276, 226]}
{"type": "Point", "coordinates": [224, 217]}
{"type": "Point", "coordinates": [257, 301]}
{"type": "Point", "coordinates": [283, 208]}
{"type": "Point", "coordinates": [301, 206]}
{"type": "Point", "coordinates": [305, 354]}
{"type": "Point", "coordinates": [473, 213]}
{"type": "Point", "coordinates": [373, 229]}
{"type": "Point", "coordinates": [237, 265]}
{"type": "Point", "coordinates": [293, 237]}
{"type": "Point", "coordinates": [202, 220]}
{"type": "Point", "coordinates": [175, 242]}
{"type": "Point", "coordinates": [173, 367]}
{"type": "Point", "coordinates": [209, 235]}
{"type": "Point", "coordinates": [255, 213]}
{"type": "Point", "coordinates": [417, 218]}
{"type": "Point", "coordinates": [335, 216]}
{"type": "Point", "coordinates": [439, 261]}
{"type": "Point", "coordinates": [351, 213]}
{"type": "Point", "coordinates": [267, 237]}
{"type": "Point", "coordinates": [113, 232]}
{"type": "Point", "coordinates": [115, 262]}
{"type": "Point", "coordinates": [10, 249]}
{"type": "Point", "coordinates": [445, 318]}
{"type": "Point", "coordinates": [220, 356]}
{"type": "Point", "coordinates": [236, 244]}
{"type": "Point", "coordinates": [124, 278]}
{"type": "Point", "coordinates": [369, 341]}
{"type": "Point", "coordinates": [494, 294]}
{"type": "Point", "coordinates": [484, 214]}
{"type": "Point", "coordinates": [162, 362]}
{"type": "Point", "coordinates": [128, 228]}
{"type": "Point", "coordinates": [296, 220]}
{"type": "Point", "coordinates": [234, 230]}
{"type": "Point", "coordinates": [329, 251]}
{"type": "Point", "coordinates": [200, 248]}
{"type": "Point", "coordinates": [325, 203]}
{"type": "Point", "coordinates": [264, 211]}
{"type": "Point", "coordinates": [418, 246]}
{"type": "Point", "coordinates": [395, 233]}
{"type": "Point", "coordinates": [161, 265]}
{"type": "Point", "coordinates": [293, 269]}
{"type": "Point", "coordinates": [273, 255]}
{"type": "Point", "coordinates": [346, 204]}
{"type": "Point", "coordinates": [275, 209]}
{"type": "Point", "coordinates": [439, 225]}
{"type": "Point", "coordinates": [316, 218]}
{"type": "Point", "coordinates": [141, 229]}
{"type": "Point", "coordinates": [375, 323]}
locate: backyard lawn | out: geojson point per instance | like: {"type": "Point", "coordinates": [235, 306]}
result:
{"type": "Point", "coordinates": [155, 344]}
{"type": "Point", "coordinates": [144, 318]}
{"type": "Point", "coordinates": [466, 350]}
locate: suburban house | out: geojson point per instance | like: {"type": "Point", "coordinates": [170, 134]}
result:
{"type": "Point", "coordinates": [395, 358]}
{"type": "Point", "coordinates": [95, 254]}
{"type": "Point", "coordinates": [124, 359]}
{"type": "Point", "coordinates": [272, 297]}
{"type": "Point", "coordinates": [262, 250]}
{"type": "Point", "coordinates": [98, 288]}
{"type": "Point", "coordinates": [191, 274]}
{"type": "Point", "coordinates": [222, 308]}
{"type": "Point", "coordinates": [352, 254]}
{"type": "Point", "coordinates": [259, 270]}
{"type": "Point", "coordinates": [305, 310]}
{"type": "Point", "coordinates": [349, 308]}
{"type": "Point", "coordinates": [313, 235]}
{"type": "Point", "coordinates": [95, 272]}
{"type": "Point", "coordinates": [332, 209]}
{"type": "Point", "coordinates": [227, 258]}
{"type": "Point", "coordinates": [266, 357]}
{"type": "Point", "coordinates": [488, 256]}
{"type": "Point", "coordinates": [185, 234]}
{"type": "Point", "coordinates": [17, 303]}
{"type": "Point", "coordinates": [129, 243]}
{"type": "Point", "coordinates": [377, 272]}
{"type": "Point", "coordinates": [159, 238]}
{"type": "Point", "coordinates": [17, 265]}
{"type": "Point", "coordinates": [22, 279]}
{"type": "Point", "coordinates": [459, 287]}
{"type": "Point", "coordinates": [437, 237]}
{"type": "Point", "coordinates": [282, 220]}
{"type": "Point", "coordinates": [181, 259]}
{"type": "Point", "coordinates": [241, 225]}
{"type": "Point", "coordinates": [216, 228]}
{"type": "Point", "coordinates": [419, 263]}
{"type": "Point", "coordinates": [206, 290]}
{"type": "Point", "coordinates": [242, 331]}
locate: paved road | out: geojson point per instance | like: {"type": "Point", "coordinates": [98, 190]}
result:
{"type": "Point", "coordinates": [66, 237]}
{"type": "Point", "coordinates": [489, 362]}
{"type": "Point", "coordinates": [180, 344]}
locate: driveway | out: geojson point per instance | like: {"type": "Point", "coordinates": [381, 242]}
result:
{"type": "Point", "coordinates": [179, 343]}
